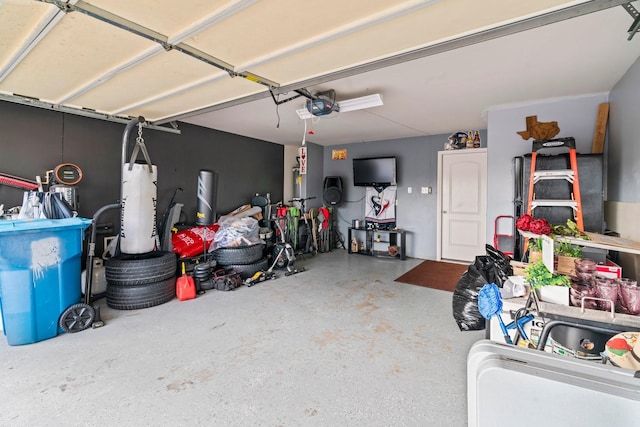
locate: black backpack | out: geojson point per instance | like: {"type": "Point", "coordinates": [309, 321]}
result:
{"type": "Point", "coordinates": [226, 280]}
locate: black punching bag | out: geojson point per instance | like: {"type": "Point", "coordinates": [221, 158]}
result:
{"type": "Point", "coordinates": [207, 196]}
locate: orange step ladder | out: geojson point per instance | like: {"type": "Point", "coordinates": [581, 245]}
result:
{"type": "Point", "coordinates": [570, 175]}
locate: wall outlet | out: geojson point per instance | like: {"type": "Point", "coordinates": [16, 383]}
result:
{"type": "Point", "coordinates": [409, 190]}
{"type": "Point", "coordinates": [426, 190]}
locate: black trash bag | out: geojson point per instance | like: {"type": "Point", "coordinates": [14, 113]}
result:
{"type": "Point", "coordinates": [503, 268]}
{"type": "Point", "coordinates": [465, 296]}
{"type": "Point", "coordinates": [495, 267]}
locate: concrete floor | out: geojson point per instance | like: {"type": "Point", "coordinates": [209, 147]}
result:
{"type": "Point", "coordinates": [341, 344]}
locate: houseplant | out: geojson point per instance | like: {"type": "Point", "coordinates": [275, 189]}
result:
{"type": "Point", "coordinates": [550, 287]}
{"type": "Point", "coordinates": [566, 254]}
{"type": "Point", "coordinates": [535, 250]}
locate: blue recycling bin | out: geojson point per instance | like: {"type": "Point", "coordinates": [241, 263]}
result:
{"type": "Point", "coordinates": [40, 271]}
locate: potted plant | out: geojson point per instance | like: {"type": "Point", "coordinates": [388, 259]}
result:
{"type": "Point", "coordinates": [550, 287]}
{"type": "Point", "coordinates": [535, 250]}
{"type": "Point", "coordinates": [567, 254]}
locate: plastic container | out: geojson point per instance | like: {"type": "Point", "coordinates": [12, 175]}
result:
{"type": "Point", "coordinates": [40, 271]}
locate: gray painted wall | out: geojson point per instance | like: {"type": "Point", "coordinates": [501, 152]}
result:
{"type": "Point", "coordinates": [624, 143]}
{"type": "Point", "coordinates": [417, 166]}
{"type": "Point", "coordinates": [576, 118]}
{"type": "Point", "coordinates": [312, 181]}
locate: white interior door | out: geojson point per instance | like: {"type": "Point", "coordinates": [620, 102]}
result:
{"type": "Point", "coordinates": [462, 207]}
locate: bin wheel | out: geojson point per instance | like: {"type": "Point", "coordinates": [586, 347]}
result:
{"type": "Point", "coordinates": [77, 318]}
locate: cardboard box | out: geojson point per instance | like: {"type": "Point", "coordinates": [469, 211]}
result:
{"type": "Point", "coordinates": [518, 267]}
{"type": "Point", "coordinates": [610, 270]}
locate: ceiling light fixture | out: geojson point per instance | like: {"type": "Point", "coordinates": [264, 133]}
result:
{"type": "Point", "coordinates": [354, 104]}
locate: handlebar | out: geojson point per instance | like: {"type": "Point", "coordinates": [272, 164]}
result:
{"type": "Point", "coordinates": [301, 199]}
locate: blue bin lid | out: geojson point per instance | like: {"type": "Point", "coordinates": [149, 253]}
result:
{"type": "Point", "coordinates": [32, 225]}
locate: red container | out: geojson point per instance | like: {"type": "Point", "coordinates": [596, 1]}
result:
{"type": "Point", "coordinates": [185, 286]}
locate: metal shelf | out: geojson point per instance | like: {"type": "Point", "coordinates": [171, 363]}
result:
{"type": "Point", "coordinates": [370, 241]}
{"type": "Point", "coordinates": [599, 241]}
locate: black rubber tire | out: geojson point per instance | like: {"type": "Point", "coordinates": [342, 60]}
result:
{"type": "Point", "coordinates": [140, 269]}
{"type": "Point", "coordinates": [243, 255]}
{"type": "Point", "coordinates": [141, 296]}
{"type": "Point", "coordinates": [77, 318]}
{"type": "Point", "coordinates": [248, 270]}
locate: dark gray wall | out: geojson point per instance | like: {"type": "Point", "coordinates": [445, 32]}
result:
{"type": "Point", "coordinates": [624, 145]}
{"type": "Point", "coordinates": [417, 166]}
{"type": "Point", "coordinates": [34, 140]}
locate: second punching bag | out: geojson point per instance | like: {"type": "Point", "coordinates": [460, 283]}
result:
{"type": "Point", "coordinates": [207, 197]}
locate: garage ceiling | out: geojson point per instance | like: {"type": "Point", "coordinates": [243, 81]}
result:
{"type": "Point", "coordinates": [223, 64]}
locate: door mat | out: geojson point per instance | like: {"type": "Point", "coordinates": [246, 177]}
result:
{"type": "Point", "coordinates": [434, 274]}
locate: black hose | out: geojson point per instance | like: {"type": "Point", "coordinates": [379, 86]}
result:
{"type": "Point", "coordinates": [92, 249]}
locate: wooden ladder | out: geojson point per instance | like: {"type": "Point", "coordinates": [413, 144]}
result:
{"type": "Point", "coordinates": [570, 175]}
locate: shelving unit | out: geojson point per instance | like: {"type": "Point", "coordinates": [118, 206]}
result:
{"type": "Point", "coordinates": [368, 243]}
{"type": "Point", "coordinates": [599, 241]}
{"type": "Point", "coordinates": [576, 315]}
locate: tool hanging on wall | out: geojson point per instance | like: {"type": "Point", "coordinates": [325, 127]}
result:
{"type": "Point", "coordinates": [63, 180]}
{"type": "Point", "coordinates": [17, 182]}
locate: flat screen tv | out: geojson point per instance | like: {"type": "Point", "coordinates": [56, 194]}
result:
{"type": "Point", "coordinates": [375, 171]}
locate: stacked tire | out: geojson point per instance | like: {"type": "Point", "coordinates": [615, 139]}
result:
{"type": "Point", "coordinates": [141, 280]}
{"type": "Point", "coordinates": [247, 260]}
